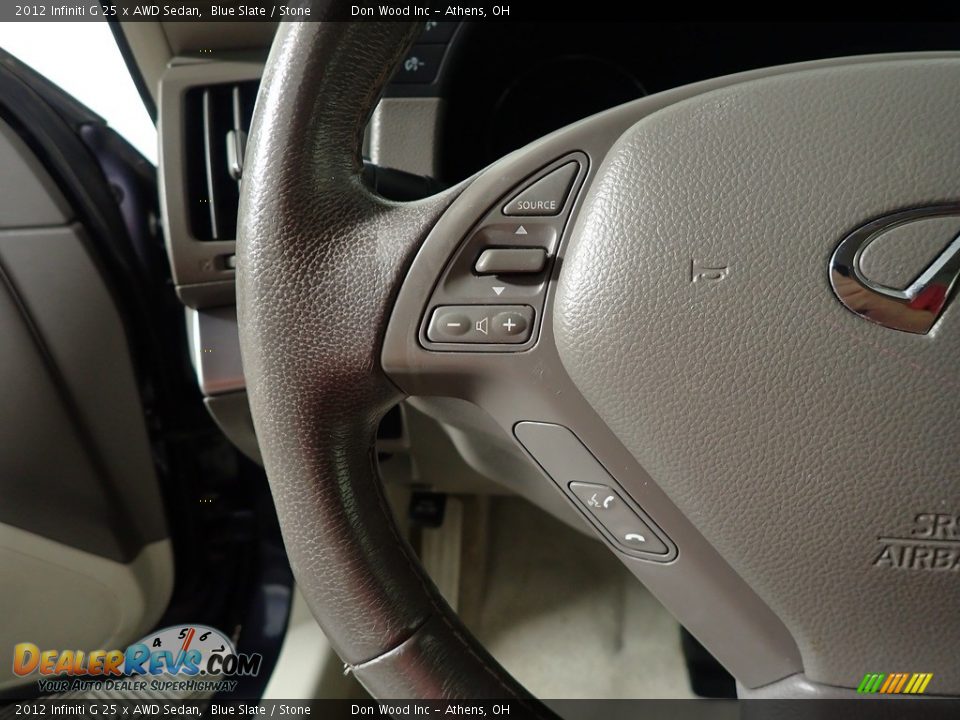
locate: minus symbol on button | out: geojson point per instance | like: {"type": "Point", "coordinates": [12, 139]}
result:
{"type": "Point", "coordinates": [454, 324]}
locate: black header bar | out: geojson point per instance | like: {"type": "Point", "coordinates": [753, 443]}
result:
{"type": "Point", "coordinates": [425, 11]}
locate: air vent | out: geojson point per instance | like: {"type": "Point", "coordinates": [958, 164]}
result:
{"type": "Point", "coordinates": [216, 122]}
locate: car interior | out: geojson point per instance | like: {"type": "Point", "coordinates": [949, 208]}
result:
{"type": "Point", "coordinates": [491, 359]}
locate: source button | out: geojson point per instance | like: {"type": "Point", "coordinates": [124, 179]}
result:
{"type": "Point", "coordinates": [546, 196]}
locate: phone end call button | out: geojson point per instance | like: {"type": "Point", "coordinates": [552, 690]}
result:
{"type": "Point", "coordinates": [617, 518]}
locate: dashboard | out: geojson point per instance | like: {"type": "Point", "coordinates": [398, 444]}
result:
{"type": "Point", "coordinates": [511, 83]}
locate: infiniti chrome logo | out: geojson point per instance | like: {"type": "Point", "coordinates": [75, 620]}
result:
{"type": "Point", "coordinates": [913, 309]}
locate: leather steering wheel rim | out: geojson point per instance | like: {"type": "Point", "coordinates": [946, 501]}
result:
{"type": "Point", "coordinates": [315, 244]}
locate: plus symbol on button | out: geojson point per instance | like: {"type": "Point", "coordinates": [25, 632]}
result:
{"type": "Point", "coordinates": [509, 325]}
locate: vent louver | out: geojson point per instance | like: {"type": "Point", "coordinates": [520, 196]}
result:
{"type": "Point", "coordinates": [217, 119]}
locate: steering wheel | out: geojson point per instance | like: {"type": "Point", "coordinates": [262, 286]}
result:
{"type": "Point", "coordinates": [652, 304]}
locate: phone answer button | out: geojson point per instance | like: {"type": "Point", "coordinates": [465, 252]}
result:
{"type": "Point", "coordinates": [621, 523]}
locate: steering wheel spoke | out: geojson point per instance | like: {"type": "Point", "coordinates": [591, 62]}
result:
{"type": "Point", "coordinates": [521, 382]}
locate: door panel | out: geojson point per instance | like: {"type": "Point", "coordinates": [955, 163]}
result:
{"type": "Point", "coordinates": [85, 559]}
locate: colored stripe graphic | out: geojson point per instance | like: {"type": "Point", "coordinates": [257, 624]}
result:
{"type": "Point", "coordinates": [903, 680]}
{"type": "Point", "coordinates": [870, 683]}
{"type": "Point", "coordinates": [891, 682]}
{"type": "Point", "coordinates": [894, 683]}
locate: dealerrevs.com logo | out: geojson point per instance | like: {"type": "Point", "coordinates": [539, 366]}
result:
{"type": "Point", "coordinates": [191, 657]}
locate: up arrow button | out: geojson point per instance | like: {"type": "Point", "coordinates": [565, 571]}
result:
{"type": "Point", "coordinates": [546, 196]}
